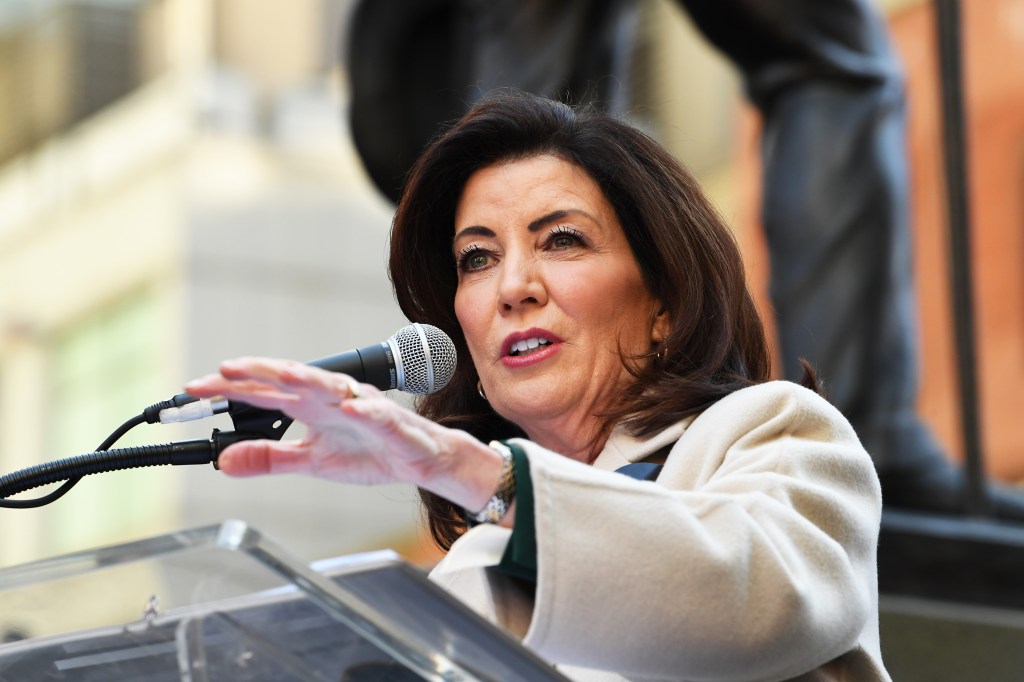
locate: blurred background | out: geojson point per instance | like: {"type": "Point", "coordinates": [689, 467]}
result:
{"type": "Point", "coordinates": [178, 185]}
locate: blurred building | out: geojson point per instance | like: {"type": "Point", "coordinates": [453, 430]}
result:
{"type": "Point", "coordinates": [177, 187]}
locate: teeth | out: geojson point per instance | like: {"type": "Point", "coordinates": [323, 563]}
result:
{"type": "Point", "coordinates": [525, 345]}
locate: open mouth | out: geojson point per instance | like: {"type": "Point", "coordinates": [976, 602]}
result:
{"type": "Point", "coordinates": [527, 346]}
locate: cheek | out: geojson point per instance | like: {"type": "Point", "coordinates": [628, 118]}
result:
{"type": "Point", "coordinates": [603, 298]}
{"type": "Point", "coordinates": [462, 311]}
{"type": "Point", "coordinates": [469, 313]}
{"type": "Point", "coordinates": [619, 308]}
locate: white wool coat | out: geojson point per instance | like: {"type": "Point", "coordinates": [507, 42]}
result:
{"type": "Point", "coordinates": [752, 557]}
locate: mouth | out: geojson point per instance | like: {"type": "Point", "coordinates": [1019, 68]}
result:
{"type": "Point", "coordinates": [528, 347]}
{"type": "Point", "coordinates": [525, 347]}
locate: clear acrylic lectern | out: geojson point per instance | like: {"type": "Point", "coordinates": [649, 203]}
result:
{"type": "Point", "coordinates": [224, 603]}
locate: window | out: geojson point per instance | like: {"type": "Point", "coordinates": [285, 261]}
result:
{"type": "Point", "coordinates": [62, 62]}
{"type": "Point", "coordinates": [105, 370]}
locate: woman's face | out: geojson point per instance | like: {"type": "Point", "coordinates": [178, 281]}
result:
{"type": "Point", "coordinates": [549, 295]}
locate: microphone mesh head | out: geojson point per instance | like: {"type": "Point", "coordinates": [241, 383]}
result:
{"type": "Point", "coordinates": [424, 357]}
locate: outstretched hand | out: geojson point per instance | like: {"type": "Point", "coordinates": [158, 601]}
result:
{"type": "Point", "coordinates": [354, 433]}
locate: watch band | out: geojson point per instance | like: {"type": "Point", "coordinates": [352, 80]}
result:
{"type": "Point", "coordinates": [499, 503]}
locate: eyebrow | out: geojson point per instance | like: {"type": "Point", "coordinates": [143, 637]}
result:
{"type": "Point", "coordinates": [479, 230]}
{"type": "Point", "coordinates": [534, 225]}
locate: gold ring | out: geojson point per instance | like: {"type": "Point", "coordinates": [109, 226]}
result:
{"type": "Point", "coordinates": [353, 389]}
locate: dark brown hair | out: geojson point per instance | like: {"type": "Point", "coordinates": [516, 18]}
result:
{"type": "Point", "coordinates": [687, 255]}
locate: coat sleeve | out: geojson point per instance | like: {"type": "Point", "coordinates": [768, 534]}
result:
{"type": "Point", "coordinates": [754, 550]}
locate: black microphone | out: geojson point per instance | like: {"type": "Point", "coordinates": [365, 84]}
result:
{"type": "Point", "coordinates": [418, 359]}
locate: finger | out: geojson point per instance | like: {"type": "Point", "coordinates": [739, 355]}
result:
{"type": "Point", "coordinates": [255, 393]}
{"type": "Point", "coordinates": [291, 376]}
{"type": "Point", "coordinates": [263, 457]}
{"type": "Point", "coordinates": [314, 380]}
{"type": "Point", "coordinates": [262, 369]}
{"type": "Point", "coordinates": [232, 373]}
{"type": "Point", "coordinates": [247, 377]}
{"type": "Point", "coordinates": [205, 386]}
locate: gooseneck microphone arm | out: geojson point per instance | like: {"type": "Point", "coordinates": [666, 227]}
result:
{"type": "Point", "coordinates": [250, 423]}
{"type": "Point", "coordinates": [188, 452]}
{"type": "Point", "coordinates": [72, 469]}
{"type": "Point", "coordinates": [417, 359]}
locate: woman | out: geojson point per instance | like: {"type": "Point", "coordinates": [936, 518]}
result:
{"type": "Point", "coordinates": [603, 305]}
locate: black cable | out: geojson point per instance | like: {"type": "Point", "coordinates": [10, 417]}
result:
{"type": "Point", "coordinates": [40, 501]}
{"type": "Point", "coordinates": [70, 483]}
{"type": "Point", "coordinates": [120, 431]}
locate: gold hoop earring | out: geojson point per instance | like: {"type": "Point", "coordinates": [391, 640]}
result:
{"type": "Point", "coordinates": [480, 389]}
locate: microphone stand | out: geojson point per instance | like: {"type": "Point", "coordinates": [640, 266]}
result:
{"type": "Point", "coordinates": [251, 423]}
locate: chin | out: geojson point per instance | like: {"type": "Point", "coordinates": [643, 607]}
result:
{"type": "Point", "coordinates": [525, 412]}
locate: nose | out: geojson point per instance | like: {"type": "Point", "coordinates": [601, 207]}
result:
{"type": "Point", "coordinates": [521, 283]}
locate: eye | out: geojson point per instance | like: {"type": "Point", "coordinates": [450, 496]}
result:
{"type": "Point", "coordinates": [473, 257]}
{"type": "Point", "coordinates": [564, 237]}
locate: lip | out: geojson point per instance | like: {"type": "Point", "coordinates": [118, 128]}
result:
{"type": "Point", "coordinates": [533, 358]}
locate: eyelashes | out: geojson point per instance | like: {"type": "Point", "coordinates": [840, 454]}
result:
{"type": "Point", "coordinates": [474, 257]}
{"type": "Point", "coordinates": [468, 259]}
{"type": "Point", "coordinates": [563, 236]}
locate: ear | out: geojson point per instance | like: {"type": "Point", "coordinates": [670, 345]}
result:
{"type": "Point", "coordinates": [660, 326]}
